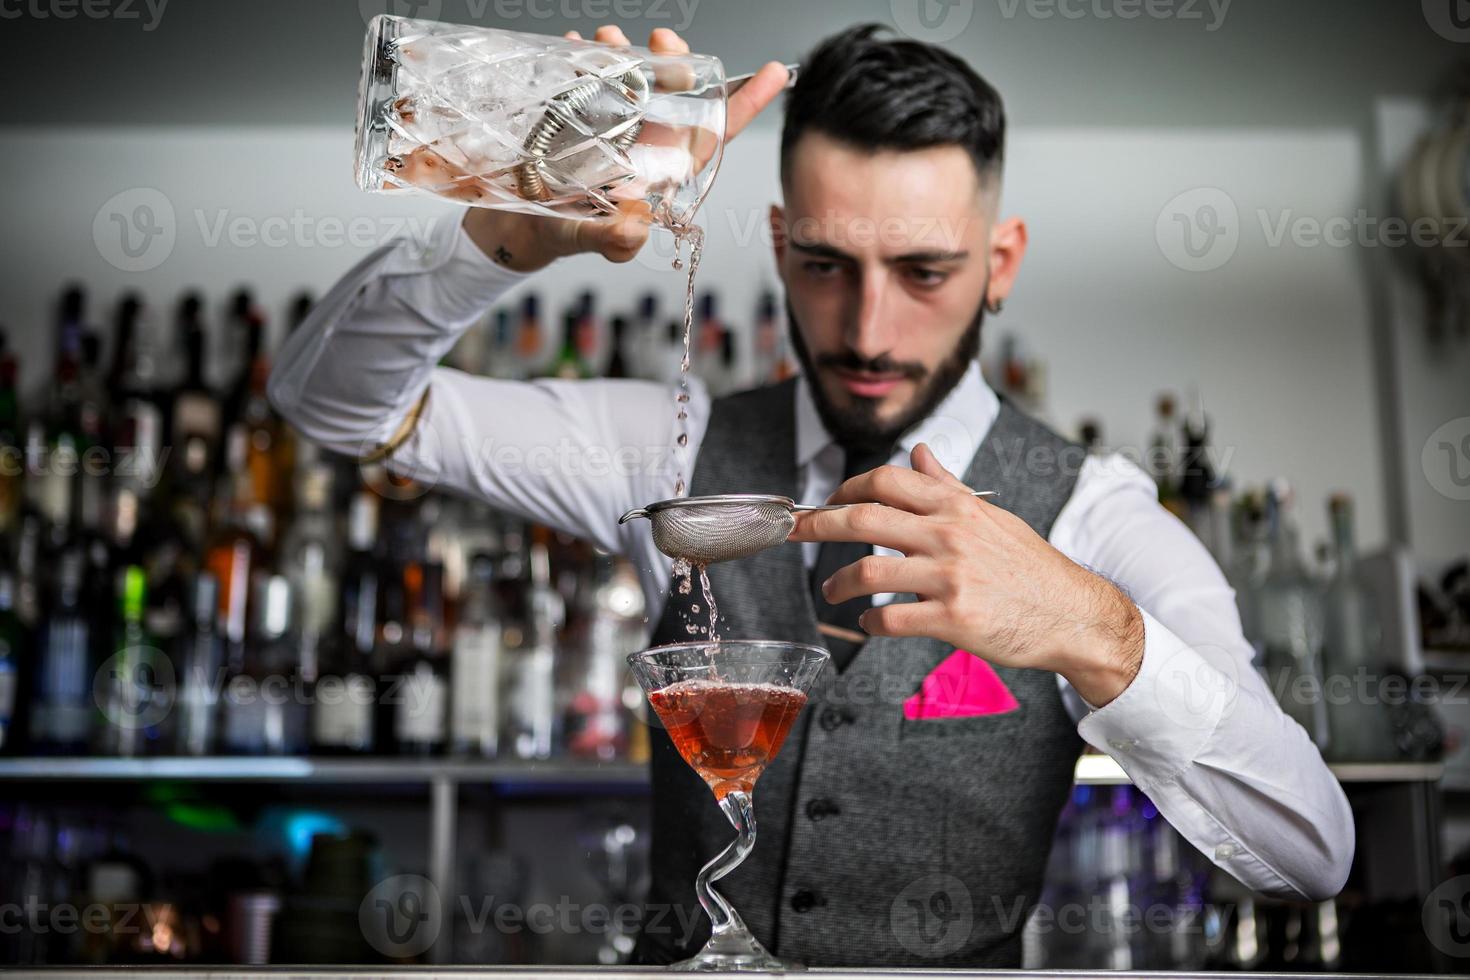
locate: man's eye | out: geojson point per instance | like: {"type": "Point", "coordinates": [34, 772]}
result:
{"type": "Point", "coordinates": [927, 277]}
{"type": "Point", "coordinates": [822, 270]}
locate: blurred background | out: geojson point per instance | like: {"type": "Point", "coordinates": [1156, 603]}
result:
{"type": "Point", "coordinates": [1249, 271]}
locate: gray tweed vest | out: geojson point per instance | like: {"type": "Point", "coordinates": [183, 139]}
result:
{"type": "Point", "coordinates": [882, 841]}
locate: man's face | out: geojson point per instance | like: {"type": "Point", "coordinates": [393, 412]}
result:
{"type": "Point", "coordinates": [885, 259]}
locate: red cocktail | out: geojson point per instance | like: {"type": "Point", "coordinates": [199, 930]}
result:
{"type": "Point", "coordinates": [728, 706]}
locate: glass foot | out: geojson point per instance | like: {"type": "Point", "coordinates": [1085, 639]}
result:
{"type": "Point", "coordinates": [734, 951]}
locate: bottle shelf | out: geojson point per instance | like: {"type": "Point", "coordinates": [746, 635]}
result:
{"type": "Point", "coordinates": [1092, 770]}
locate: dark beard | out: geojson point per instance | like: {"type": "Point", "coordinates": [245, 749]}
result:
{"type": "Point", "coordinates": [857, 427]}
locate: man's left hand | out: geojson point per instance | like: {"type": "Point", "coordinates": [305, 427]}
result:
{"type": "Point", "coordinates": [985, 581]}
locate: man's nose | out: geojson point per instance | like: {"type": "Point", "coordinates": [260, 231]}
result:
{"type": "Point", "coordinates": [873, 328]}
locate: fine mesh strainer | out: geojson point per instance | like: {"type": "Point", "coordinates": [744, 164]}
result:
{"type": "Point", "coordinates": [723, 527]}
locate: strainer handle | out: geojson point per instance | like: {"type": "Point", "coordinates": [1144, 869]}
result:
{"type": "Point", "coordinates": [809, 508]}
{"type": "Point", "coordinates": [630, 515]}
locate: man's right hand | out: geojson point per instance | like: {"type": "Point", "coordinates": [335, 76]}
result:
{"type": "Point", "coordinates": [525, 242]}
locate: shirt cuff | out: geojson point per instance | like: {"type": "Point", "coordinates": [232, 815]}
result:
{"type": "Point", "coordinates": [1166, 717]}
{"type": "Point", "coordinates": [445, 277]}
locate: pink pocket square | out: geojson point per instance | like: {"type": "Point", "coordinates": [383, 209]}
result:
{"type": "Point", "coordinates": [962, 686]}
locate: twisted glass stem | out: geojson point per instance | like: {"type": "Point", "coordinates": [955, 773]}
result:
{"type": "Point", "coordinates": [725, 921]}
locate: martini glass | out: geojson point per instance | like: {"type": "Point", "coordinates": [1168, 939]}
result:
{"type": "Point", "coordinates": [728, 705]}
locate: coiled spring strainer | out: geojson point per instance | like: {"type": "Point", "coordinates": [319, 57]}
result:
{"type": "Point", "coordinates": [723, 527]}
{"type": "Point", "coordinates": [577, 103]}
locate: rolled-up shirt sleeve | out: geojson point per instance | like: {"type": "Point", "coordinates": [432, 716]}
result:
{"type": "Point", "coordinates": [1198, 730]}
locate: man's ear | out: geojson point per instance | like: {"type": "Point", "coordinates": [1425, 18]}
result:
{"type": "Point", "coordinates": [1007, 248]}
{"type": "Point", "coordinates": [777, 218]}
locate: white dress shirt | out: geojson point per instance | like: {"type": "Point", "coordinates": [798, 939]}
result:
{"type": "Point", "coordinates": [1197, 730]}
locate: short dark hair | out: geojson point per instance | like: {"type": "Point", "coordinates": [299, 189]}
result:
{"type": "Point", "coordinates": [877, 93]}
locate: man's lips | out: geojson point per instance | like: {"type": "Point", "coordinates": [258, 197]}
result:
{"type": "Point", "coordinates": [866, 384]}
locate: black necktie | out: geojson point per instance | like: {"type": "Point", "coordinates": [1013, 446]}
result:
{"type": "Point", "coordinates": [835, 555]}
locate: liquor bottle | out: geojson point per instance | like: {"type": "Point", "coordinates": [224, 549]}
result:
{"type": "Point", "coordinates": [421, 719]}
{"type": "Point", "coordinates": [12, 641]}
{"type": "Point", "coordinates": [618, 360]}
{"type": "Point", "coordinates": [245, 326]}
{"type": "Point", "coordinates": [310, 560]}
{"type": "Point", "coordinates": [1197, 477]}
{"type": "Point", "coordinates": [708, 341]}
{"type": "Point", "coordinates": [1290, 611]}
{"type": "Point", "coordinates": [475, 665]}
{"type": "Point", "coordinates": [772, 365]}
{"type": "Point", "coordinates": [611, 608]}
{"type": "Point", "coordinates": [392, 648]}
{"type": "Point", "coordinates": [201, 664]}
{"type": "Point", "coordinates": [569, 364]}
{"type": "Point", "coordinates": [277, 649]}
{"type": "Point", "coordinates": [134, 698]}
{"type": "Point", "coordinates": [1352, 654]}
{"type": "Point", "coordinates": [54, 441]}
{"type": "Point", "coordinates": [61, 719]}
{"type": "Point", "coordinates": [268, 449]}
{"type": "Point", "coordinates": [301, 306]}
{"type": "Point", "coordinates": [194, 420]}
{"type": "Point", "coordinates": [138, 424]}
{"type": "Point", "coordinates": [500, 356]}
{"type": "Point", "coordinates": [646, 339]}
{"type": "Point", "coordinates": [530, 337]}
{"type": "Point", "coordinates": [1164, 459]}
{"type": "Point", "coordinates": [233, 555]}
{"type": "Point", "coordinates": [589, 334]}
{"type": "Point", "coordinates": [343, 716]}
{"type": "Point", "coordinates": [12, 443]}
{"type": "Point", "coordinates": [531, 695]}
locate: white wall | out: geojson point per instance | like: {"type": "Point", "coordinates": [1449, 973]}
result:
{"type": "Point", "coordinates": [1276, 337]}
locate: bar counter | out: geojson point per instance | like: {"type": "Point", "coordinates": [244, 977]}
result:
{"type": "Point", "coordinates": [604, 973]}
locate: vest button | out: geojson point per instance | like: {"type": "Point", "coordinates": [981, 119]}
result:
{"type": "Point", "coordinates": [820, 809]}
{"type": "Point", "coordinates": [833, 718]}
{"type": "Point", "coordinates": [804, 900]}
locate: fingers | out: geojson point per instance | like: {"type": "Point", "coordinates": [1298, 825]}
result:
{"type": "Point", "coordinates": [924, 618]}
{"type": "Point", "coordinates": [899, 487]}
{"type": "Point", "coordinates": [618, 237]}
{"type": "Point", "coordinates": [754, 96]}
{"type": "Point", "coordinates": [573, 35]}
{"type": "Point", "coordinates": [612, 34]}
{"type": "Point", "coordinates": [883, 573]}
{"type": "Point", "coordinates": [665, 41]}
{"type": "Point", "coordinates": [885, 527]}
{"type": "Point", "coordinates": [924, 461]}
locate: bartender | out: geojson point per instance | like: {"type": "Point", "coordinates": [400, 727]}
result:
{"type": "Point", "coordinates": [976, 644]}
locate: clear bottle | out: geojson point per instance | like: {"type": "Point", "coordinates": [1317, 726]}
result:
{"type": "Point", "coordinates": [476, 665]}
{"type": "Point", "coordinates": [343, 711]}
{"type": "Point", "coordinates": [200, 672]}
{"type": "Point", "coordinates": [1352, 654]}
{"type": "Point", "coordinates": [310, 560]}
{"type": "Point", "coordinates": [134, 702]}
{"type": "Point", "coordinates": [61, 719]}
{"type": "Point", "coordinates": [531, 682]}
{"type": "Point", "coordinates": [1290, 609]}
{"type": "Point", "coordinates": [421, 718]}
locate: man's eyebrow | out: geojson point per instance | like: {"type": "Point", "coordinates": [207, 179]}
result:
{"type": "Point", "coordinates": [929, 255]}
